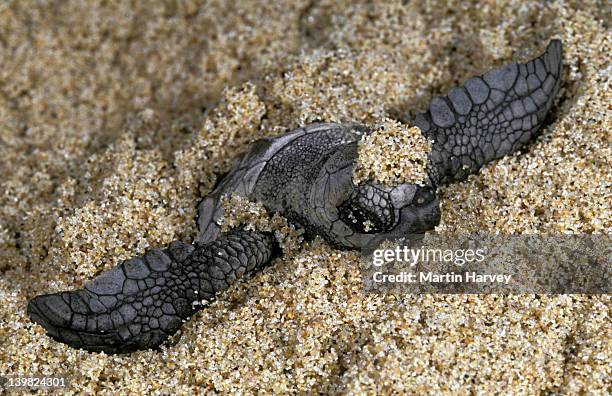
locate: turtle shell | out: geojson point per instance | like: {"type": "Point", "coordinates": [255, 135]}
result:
{"type": "Point", "coordinates": [275, 171]}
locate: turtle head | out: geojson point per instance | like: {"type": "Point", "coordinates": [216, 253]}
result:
{"type": "Point", "coordinates": [374, 213]}
{"type": "Point", "coordinates": [361, 216]}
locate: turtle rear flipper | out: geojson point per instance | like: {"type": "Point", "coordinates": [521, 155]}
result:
{"type": "Point", "coordinates": [141, 302]}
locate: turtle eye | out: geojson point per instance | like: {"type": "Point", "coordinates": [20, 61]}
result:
{"type": "Point", "coordinates": [423, 196]}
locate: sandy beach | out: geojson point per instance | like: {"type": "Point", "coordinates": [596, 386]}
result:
{"type": "Point", "coordinates": [116, 119]}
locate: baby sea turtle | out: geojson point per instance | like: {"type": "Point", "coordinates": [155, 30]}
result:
{"type": "Point", "coordinates": [306, 176]}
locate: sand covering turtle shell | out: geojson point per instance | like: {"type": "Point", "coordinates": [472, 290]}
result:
{"type": "Point", "coordinates": [241, 212]}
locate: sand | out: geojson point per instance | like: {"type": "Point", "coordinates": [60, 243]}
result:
{"type": "Point", "coordinates": [393, 154]}
{"type": "Point", "coordinates": [115, 119]}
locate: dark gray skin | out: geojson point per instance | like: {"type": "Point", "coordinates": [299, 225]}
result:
{"type": "Point", "coordinates": [304, 175]}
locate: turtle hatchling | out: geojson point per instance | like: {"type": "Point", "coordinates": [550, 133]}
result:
{"type": "Point", "coordinates": [305, 176]}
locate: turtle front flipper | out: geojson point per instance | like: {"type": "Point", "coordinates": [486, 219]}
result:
{"type": "Point", "coordinates": [141, 302]}
{"type": "Point", "coordinates": [490, 116]}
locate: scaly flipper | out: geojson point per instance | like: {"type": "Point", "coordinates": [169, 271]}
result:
{"type": "Point", "coordinates": [142, 301]}
{"type": "Point", "coordinates": [490, 116]}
